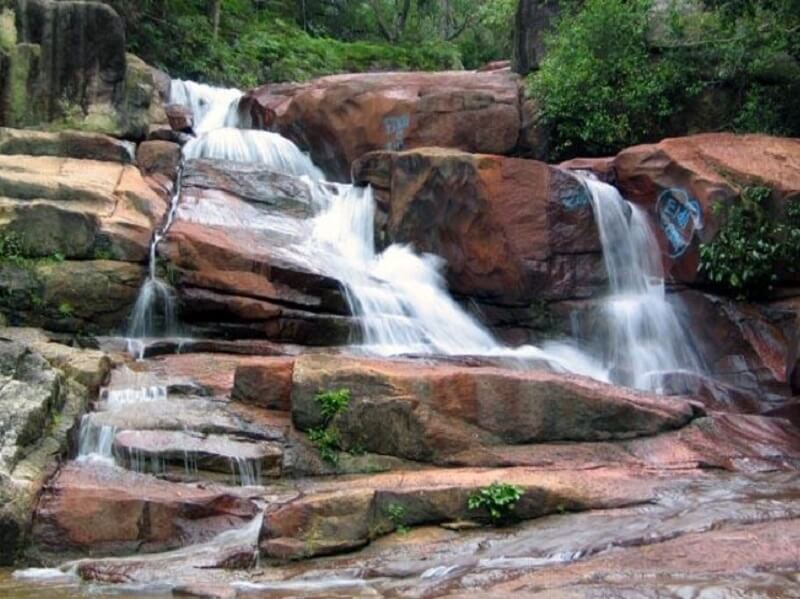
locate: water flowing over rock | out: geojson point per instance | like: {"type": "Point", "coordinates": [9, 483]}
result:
{"type": "Point", "coordinates": [679, 181]}
{"type": "Point", "coordinates": [339, 118]}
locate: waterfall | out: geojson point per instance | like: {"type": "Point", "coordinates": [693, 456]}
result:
{"type": "Point", "coordinates": [399, 297]}
{"type": "Point", "coordinates": [644, 335]}
{"type": "Point", "coordinates": [212, 107]}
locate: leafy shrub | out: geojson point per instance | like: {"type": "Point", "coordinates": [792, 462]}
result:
{"type": "Point", "coordinates": [332, 402]}
{"type": "Point", "coordinates": [621, 72]}
{"type": "Point", "coordinates": [744, 256]}
{"type": "Point", "coordinates": [397, 514]}
{"type": "Point", "coordinates": [498, 499]}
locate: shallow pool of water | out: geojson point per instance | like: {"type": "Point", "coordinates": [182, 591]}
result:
{"type": "Point", "coordinates": [10, 588]}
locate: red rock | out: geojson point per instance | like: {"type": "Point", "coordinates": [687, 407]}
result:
{"type": "Point", "coordinates": [342, 117]}
{"type": "Point", "coordinates": [266, 383]}
{"type": "Point", "coordinates": [180, 117]}
{"type": "Point", "coordinates": [110, 510]}
{"type": "Point", "coordinates": [159, 157]}
{"type": "Point", "coordinates": [513, 232]}
{"type": "Point", "coordinates": [350, 512]}
{"type": "Point", "coordinates": [426, 412]}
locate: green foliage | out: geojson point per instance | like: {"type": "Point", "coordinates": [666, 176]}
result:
{"type": "Point", "coordinates": [327, 442]}
{"type": "Point", "coordinates": [66, 310]}
{"type": "Point", "coordinates": [744, 256]}
{"type": "Point", "coordinates": [332, 402]}
{"type": "Point", "coordinates": [11, 248]}
{"type": "Point", "coordinates": [397, 514]}
{"type": "Point", "coordinates": [498, 499]}
{"type": "Point", "coordinates": [621, 72]}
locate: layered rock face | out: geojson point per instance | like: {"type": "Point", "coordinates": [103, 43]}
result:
{"type": "Point", "coordinates": [340, 118]}
{"type": "Point", "coordinates": [68, 68]}
{"type": "Point", "coordinates": [76, 219]}
{"type": "Point", "coordinates": [44, 388]}
{"type": "Point", "coordinates": [235, 255]}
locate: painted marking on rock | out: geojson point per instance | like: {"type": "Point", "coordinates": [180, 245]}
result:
{"type": "Point", "coordinates": [573, 199]}
{"type": "Point", "coordinates": [680, 216]}
{"type": "Point", "coordinates": [396, 127]}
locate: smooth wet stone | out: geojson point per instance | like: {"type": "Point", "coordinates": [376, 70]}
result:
{"type": "Point", "coordinates": [266, 383]}
{"type": "Point", "coordinates": [334, 517]}
{"type": "Point", "coordinates": [425, 412]}
{"type": "Point", "coordinates": [104, 509]}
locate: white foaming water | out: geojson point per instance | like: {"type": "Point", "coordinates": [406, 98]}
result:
{"type": "Point", "coordinates": [271, 150]}
{"type": "Point", "coordinates": [645, 336]}
{"type": "Point", "coordinates": [212, 107]}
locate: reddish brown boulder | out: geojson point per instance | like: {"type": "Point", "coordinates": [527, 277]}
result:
{"type": "Point", "coordinates": [425, 412]}
{"type": "Point", "coordinates": [159, 157]}
{"type": "Point", "coordinates": [110, 510]}
{"type": "Point", "coordinates": [342, 117]}
{"type": "Point", "coordinates": [679, 180]}
{"type": "Point", "coordinates": [266, 383]}
{"type": "Point", "coordinates": [180, 117]}
{"type": "Point", "coordinates": [512, 231]}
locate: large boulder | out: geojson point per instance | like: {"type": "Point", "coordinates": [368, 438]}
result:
{"type": "Point", "coordinates": [513, 232]}
{"type": "Point", "coordinates": [342, 117]}
{"type": "Point", "coordinates": [110, 510]}
{"type": "Point", "coordinates": [426, 412]}
{"type": "Point", "coordinates": [69, 69]}
{"type": "Point", "coordinates": [679, 180]}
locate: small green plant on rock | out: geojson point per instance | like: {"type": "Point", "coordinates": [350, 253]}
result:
{"type": "Point", "coordinates": [326, 438]}
{"type": "Point", "coordinates": [744, 256]}
{"type": "Point", "coordinates": [327, 442]}
{"type": "Point", "coordinates": [332, 402]}
{"type": "Point", "coordinates": [397, 514]}
{"type": "Point", "coordinates": [66, 310]}
{"type": "Point", "coordinates": [11, 248]}
{"type": "Point", "coordinates": [498, 499]}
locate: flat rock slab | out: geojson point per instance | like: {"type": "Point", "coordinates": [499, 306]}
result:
{"type": "Point", "coordinates": [347, 513]}
{"type": "Point", "coordinates": [109, 510]}
{"type": "Point", "coordinates": [424, 412]}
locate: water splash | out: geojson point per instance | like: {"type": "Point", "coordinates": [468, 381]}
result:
{"type": "Point", "coordinates": [212, 107]}
{"type": "Point", "coordinates": [644, 334]}
{"type": "Point", "coordinates": [271, 150]}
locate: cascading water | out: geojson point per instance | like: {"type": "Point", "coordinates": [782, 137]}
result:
{"type": "Point", "coordinates": [644, 335]}
{"type": "Point", "coordinates": [398, 296]}
{"type": "Point", "coordinates": [96, 440]}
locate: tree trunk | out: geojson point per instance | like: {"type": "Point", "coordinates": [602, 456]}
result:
{"type": "Point", "coordinates": [216, 10]}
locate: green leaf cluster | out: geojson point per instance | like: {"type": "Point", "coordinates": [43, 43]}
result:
{"type": "Point", "coordinates": [498, 499]}
{"type": "Point", "coordinates": [744, 257]}
{"type": "Point", "coordinates": [622, 72]}
{"type": "Point", "coordinates": [326, 438]}
{"type": "Point", "coordinates": [397, 515]}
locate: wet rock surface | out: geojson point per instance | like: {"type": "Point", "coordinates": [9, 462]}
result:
{"type": "Point", "coordinates": [342, 117]}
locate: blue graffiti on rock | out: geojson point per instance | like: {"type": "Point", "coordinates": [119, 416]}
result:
{"type": "Point", "coordinates": [679, 216]}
